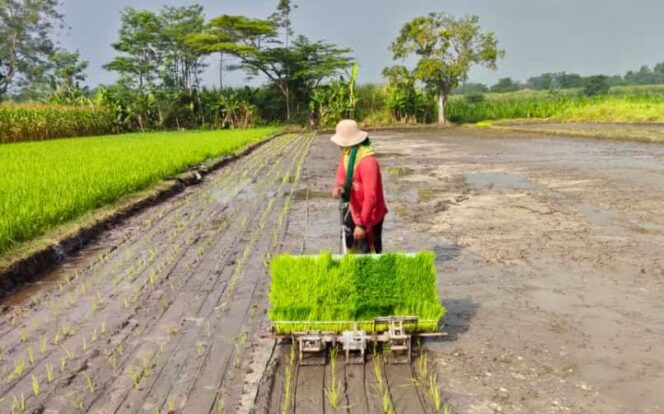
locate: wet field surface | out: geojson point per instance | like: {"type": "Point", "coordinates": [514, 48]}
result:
{"type": "Point", "coordinates": [549, 260]}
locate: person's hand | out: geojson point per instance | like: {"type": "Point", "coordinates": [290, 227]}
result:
{"type": "Point", "coordinates": [359, 233]}
{"type": "Point", "coordinates": [337, 192]}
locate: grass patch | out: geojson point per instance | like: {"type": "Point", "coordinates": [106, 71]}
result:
{"type": "Point", "coordinates": [563, 107]}
{"type": "Point", "coordinates": [47, 184]}
{"type": "Point", "coordinates": [329, 292]}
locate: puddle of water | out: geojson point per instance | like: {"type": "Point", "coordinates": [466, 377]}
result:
{"type": "Point", "coordinates": [498, 180]}
{"type": "Point", "coordinates": [594, 214]}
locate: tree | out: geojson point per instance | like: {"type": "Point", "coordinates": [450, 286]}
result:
{"type": "Point", "coordinates": [68, 70]}
{"type": "Point", "coordinates": [596, 85]}
{"type": "Point", "coordinates": [26, 29]}
{"type": "Point", "coordinates": [447, 48]}
{"type": "Point", "coordinates": [505, 85]}
{"type": "Point", "coordinates": [255, 45]}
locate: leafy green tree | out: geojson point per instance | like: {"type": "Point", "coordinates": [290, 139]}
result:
{"type": "Point", "coordinates": [26, 30]}
{"type": "Point", "coordinates": [447, 48]}
{"type": "Point", "coordinates": [505, 85]}
{"type": "Point", "coordinates": [596, 85]}
{"type": "Point", "coordinates": [68, 70]}
{"type": "Point", "coordinates": [255, 45]}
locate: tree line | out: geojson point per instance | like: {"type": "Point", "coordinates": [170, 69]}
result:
{"type": "Point", "coordinates": [563, 80]}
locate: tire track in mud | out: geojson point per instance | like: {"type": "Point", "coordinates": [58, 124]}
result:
{"type": "Point", "coordinates": [78, 363]}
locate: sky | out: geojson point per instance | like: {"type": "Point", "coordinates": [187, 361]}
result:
{"type": "Point", "coordinates": [580, 36]}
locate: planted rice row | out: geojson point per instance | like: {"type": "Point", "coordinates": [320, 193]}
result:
{"type": "Point", "coordinates": [327, 292]}
{"type": "Point", "coordinates": [45, 184]}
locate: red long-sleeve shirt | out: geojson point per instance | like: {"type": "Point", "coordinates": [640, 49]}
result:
{"type": "Point", "coordinates": [367, 201]}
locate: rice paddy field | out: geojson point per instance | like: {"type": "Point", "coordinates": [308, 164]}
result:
{"type": "Point", "coordinates": [45, 184]}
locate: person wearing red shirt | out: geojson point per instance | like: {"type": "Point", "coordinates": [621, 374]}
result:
{"type": "Point", "coordinates": [359, 185]}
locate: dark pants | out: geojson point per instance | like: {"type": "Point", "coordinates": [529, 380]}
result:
{"type": "Point", "coordinates": [362, 246]}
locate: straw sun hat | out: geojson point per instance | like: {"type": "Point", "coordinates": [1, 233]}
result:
{"type": "Point", "coordinates": [349, 134]}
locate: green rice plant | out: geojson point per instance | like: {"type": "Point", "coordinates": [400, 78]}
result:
{"type": "Point", "coordinates": [89, 383]}
{"type": "Point", "coordinates": [18, 404]}
{"type": "Point", "coordinates": [31, 355]}
{"type": "Point", "coordinates": [49, 373]}
{"type": "Point", "coordinates": [330, 292]}
{"type": "Point", "coordinates": [288, 380]}
{"type": "Point", "coordinates": [434, 392]}
{"type": "Point", "coordinates": [35, 386]}
{"type": "Point", "coordinates": [19, 368]}
{"type": "Point", "coordinates": [333, 393]}
{"type": "Point", "coordinates": [45, 184]}
{"type": "Point", "coordinates": [43, 344]}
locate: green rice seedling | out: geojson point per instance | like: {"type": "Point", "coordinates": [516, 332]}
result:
{"type": "Point", "coordinates": [18, 404]}
{"type": "Point", "coordinates": [333, 392]}
{"type": "Point", "coordinates": [170, 405]}
{"type": "Point", "coordinates": [93, 336]}
{"type": "Point", "coordinates": [103, 328]}
{"type": "Point", "coordinates": [35, 386]}
{"type": "Point", "coordinates": [54, 309]}
{"type": "Point", "coordinates": [31, 355]}
{"type": "Point", "coordinates": [136, 376]}
{"type": "Point", "coordinates": [63, 363]}
{"type": "Point", "coordinates": [288, 380]}
{"type": "Point", "coordinates": [49, 373]}
{"type": "Point", "coordinates": [434, 392]}
{"type": "Point", "coordinates": [85, 344]}
{"type": "Point", "coordinates": [43, 344]}
{"type": "Point", "coordinates": [19, 368]}
{"type": "Point", "coordinates": [77, 402]}
{"type": "Point", "coordinates": [422, 366]}
{"type": "Point", "coordinates": [57, 337]}
{"type": "Point", "coordinates": [89, 383]}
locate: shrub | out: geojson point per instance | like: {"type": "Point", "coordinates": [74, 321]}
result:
{"type": "Point", "coordinates": [336, 290]}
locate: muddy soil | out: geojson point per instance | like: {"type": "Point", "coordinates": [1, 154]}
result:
{"type": "Point", "coordinates": [550, 267]}
{"type": "Point", "coordinates": [549, 260]}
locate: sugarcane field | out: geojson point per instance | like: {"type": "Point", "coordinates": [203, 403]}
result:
{"type": "Point", "coordinates": [281, 207]}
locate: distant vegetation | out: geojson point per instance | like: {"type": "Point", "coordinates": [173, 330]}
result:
{"type": "Point", "coordinates": [32, 122]}
{"type": "Point", "coordinates": [161, 54]}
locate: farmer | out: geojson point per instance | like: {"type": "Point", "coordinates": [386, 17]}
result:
{"type": "Point", "coordinates": [359, 184]}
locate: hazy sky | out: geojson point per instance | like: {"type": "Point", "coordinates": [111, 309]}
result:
{"type": "Point", "coordinates": [582, 36]}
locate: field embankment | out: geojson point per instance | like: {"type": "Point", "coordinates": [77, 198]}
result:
{"type": "Point", "coordinates": [35, 122]}
{"type": "Point", "coordinates": [46, 184]}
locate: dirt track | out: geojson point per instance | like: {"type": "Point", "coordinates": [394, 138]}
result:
{"type": "Point", "coordinates": [549, 261]}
